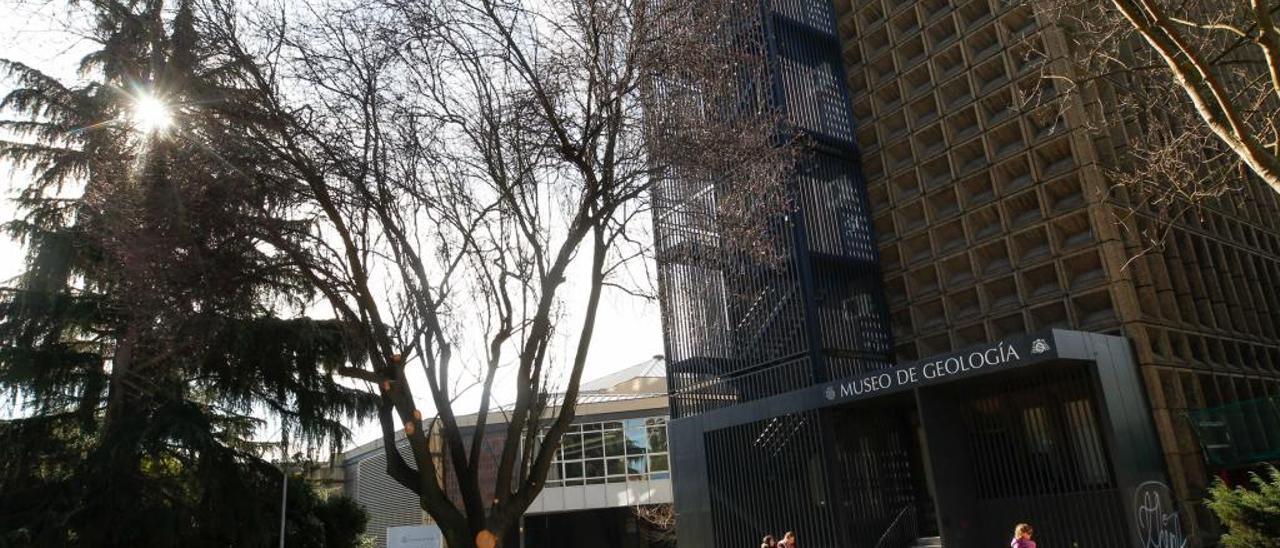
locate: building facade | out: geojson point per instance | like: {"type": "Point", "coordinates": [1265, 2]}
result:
{"type": "Point", "coordinates": [613, 460]}
{"type": "Point", "coordinates": [940, 218]}
{"type": "Point", "coordinates": [995, 217]}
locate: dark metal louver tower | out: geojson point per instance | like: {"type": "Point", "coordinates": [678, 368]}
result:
{"type": "Point", "coordinates": [739, 331]}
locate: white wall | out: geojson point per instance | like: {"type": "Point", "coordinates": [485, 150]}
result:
{"type": "Point", "coordinates": [607, 495]}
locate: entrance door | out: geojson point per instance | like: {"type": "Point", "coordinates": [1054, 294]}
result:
{"type": "Point", "coordinates": [883, 477]}
{"type": "Point", "coordinates": [1022, 447]}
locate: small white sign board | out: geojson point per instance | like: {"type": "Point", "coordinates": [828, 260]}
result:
{"type": "Point", "coordinates": [419, 536]}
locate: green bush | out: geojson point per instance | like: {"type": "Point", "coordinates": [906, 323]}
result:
{"type": "Point", "coordinates": [1251, 516]}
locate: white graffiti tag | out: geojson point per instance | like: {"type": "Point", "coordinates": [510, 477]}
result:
{"type": "Point", "coordinates": [1158, 524]}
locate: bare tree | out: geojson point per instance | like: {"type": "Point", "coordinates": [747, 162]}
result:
{"type": "Point", "coordinates": [1198, 80]}
{"type": "Point", "coordinates": [657, 522]}
{"type": "Point", "coordinates": [470, 164]}
{"type": "Point", "coordinates": [1208, 55]}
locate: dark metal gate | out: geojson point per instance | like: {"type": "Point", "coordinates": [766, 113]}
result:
{"type": "Point", "coordinates": [882, 477]}
{"type": "Point", "coordinates": [1035, 453]}
{"type": "Point", "coordinates": [768, 477]}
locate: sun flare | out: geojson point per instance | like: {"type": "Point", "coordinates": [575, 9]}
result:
{"type": "Point", "coordinates": [150, 114]}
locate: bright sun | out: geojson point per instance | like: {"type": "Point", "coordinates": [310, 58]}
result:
{"type": "Point", "coordinates": [150, 114]}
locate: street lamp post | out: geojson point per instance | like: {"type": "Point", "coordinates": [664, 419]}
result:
{"type": "Point", "coordinates": [284, 496]}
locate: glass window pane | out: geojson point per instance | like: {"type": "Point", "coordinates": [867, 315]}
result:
{"type": "Point", "coordinates": [553, 473]}
{"type": "Point", "coordinates": [617, 479]}
{"type": "Point", "coordinates": [591, 427]}
{"type": "Point", "coordinates": [636, 465]}
{"type": "Point", "coordinates": [572, 446]}
{"type": "Point", "coordinates": [637, 438]}
{"type": "Point", "coordinates": [1035, 423]}
{"type": "Point", "coordinates": [1086, 442]}
{"type": "Point", "coordinates": [612, 425]}
{"type": "Point", "coordinates": [613, 443]}
{"type": "Point", "coordinates": [592, 445]}
{"type": "Point", "coordinates": [594, 468]}
{"type": "Point", "coordinates": [658, 439]}
{"type": "Point", "coordinates": [658, 463]}
{"type": "Point", "coordinates": [616, 467]}
{"type": "Point", "coordinates": [553, 484]}
{"type": "Point", "coordinates": [573, 470]}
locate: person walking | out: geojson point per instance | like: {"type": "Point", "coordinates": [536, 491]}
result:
{"type": "Point", "coordinates": [1022, 537]}
{"type": "Point", "coordinates": [768, 542]}
{"type": "Point", "coordinates": [789, 540]}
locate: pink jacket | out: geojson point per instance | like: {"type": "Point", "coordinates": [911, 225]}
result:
{"type": "Point", "coordinates": [1022, 543]}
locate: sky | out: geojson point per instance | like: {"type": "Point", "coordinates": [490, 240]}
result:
{"type": "Point", "coordinates": [30, 33]}
{"type": "Point", "coordinates": [39, 33]}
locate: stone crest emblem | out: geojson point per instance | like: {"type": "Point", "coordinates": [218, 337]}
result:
{"type": "Point", "coordinates": [830, 393]}
{"type": "Point", "coordinates": [1039, 346]}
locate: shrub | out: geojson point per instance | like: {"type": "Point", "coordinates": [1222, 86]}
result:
{"type": "Point", "coordinates": [1251, 516]}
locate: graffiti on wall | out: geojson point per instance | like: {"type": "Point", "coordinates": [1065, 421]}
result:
{"type": "Point", "coordinates": [1158, 523]}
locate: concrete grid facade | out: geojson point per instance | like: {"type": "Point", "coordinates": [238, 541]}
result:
{"type": "Point", "coordinates": [994, 219]}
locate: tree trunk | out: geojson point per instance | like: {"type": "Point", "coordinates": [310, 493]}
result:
{"type": "Point", "coordinates": [454, 538]}
{"type": "Point", "coordinates": [466, 537]}
{"type": "Point", "coordinates": [121, 364]}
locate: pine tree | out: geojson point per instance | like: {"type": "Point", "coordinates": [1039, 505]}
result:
{"type": "Point", "coordinates": [152, 337]}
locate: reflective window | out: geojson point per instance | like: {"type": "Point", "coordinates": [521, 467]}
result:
{"type": "Point", "coordinates": [612, 452]}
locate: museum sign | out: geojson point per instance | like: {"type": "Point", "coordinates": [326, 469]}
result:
{"type": "Point", "coordinates": [970, 362]}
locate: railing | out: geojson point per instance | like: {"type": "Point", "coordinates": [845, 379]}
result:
{"type": "Point", "coordinates": [901, 530]}
{"type": "Point", "coordinates": [1238, 433]}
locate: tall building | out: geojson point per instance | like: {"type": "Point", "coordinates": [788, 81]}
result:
{"type": "Point", "coordinates": [993, 229]}
{"type": "Point", "coordinates": [995, 218]}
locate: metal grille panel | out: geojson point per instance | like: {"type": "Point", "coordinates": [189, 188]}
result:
{"type": "Point", "coordinates": [877, 479]}
{"type": "Point", "coordinates": [768, 477]}
{"type": "Point", "coordinates": [1039, 456]}
{"type": "Point", "coordinates": [388, 503]}
{"type": "Point", "coordinates": [736, 329]}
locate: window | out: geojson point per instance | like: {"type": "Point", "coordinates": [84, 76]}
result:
{"type": "Point", "coordinates": [658, 468]}
{"type": "Point", "coordinates": [1035, 422]}
{"type": "Point", "coordinates": [571, 445]}
{"type": "Point", "coordinates": [1090, 457]}
{"type": "Point", "coordinates": [612, 452]}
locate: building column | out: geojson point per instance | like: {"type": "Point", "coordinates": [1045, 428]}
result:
{"type": "Point", "coordinates": [948, 461]}
{"type": "Point", "coordinates": [689, 482]}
